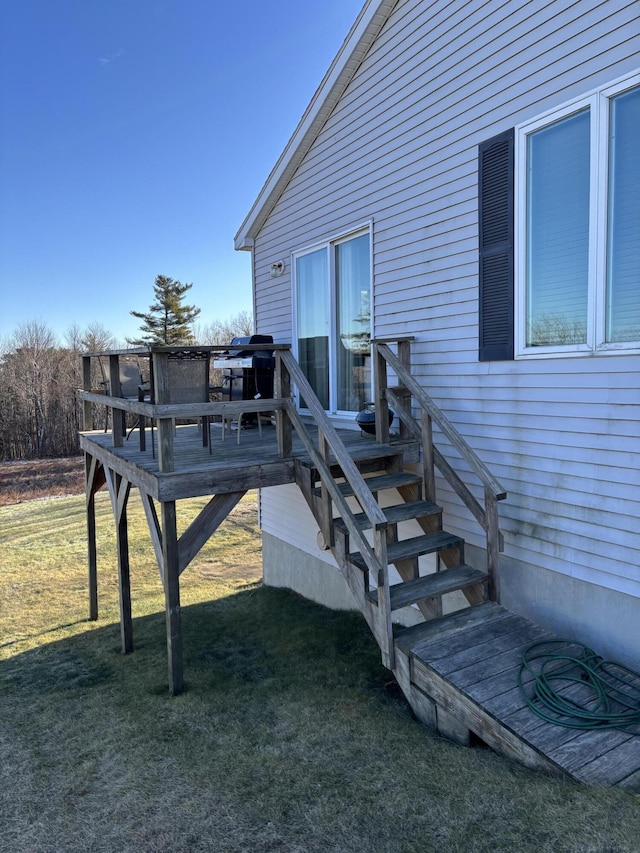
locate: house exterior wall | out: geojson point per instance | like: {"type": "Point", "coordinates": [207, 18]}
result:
{"type": "Point", "coordinates": [400, 149]}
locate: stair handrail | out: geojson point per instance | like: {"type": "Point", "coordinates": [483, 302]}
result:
{"type": "Point", "coordinates": [342, 456]}
{"type": "Point", "coordinates": [493, 489]}
{"type": "Point", "coordinates": [376, 557]}
{"type": "Point", "coordinates": [439, 417]}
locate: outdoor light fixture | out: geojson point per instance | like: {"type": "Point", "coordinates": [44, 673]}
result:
{"type": "Point", "coordinates": [277, 269]}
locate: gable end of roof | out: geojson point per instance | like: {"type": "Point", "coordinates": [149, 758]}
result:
{"type": "Point", "coordinates": [363, 33]}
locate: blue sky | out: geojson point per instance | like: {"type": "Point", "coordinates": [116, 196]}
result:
{"type": "Point", "coordinates": [134, 137]}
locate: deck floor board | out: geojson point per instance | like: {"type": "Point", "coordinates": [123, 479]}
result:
{"type": "Point", "coordinates": [226, 466]}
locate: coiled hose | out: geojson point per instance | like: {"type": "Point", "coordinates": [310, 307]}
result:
{"type": "Point", "coordinates": [581, 690]}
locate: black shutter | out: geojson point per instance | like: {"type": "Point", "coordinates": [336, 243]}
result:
{"type": "Point", "coordinates": [495, 214]}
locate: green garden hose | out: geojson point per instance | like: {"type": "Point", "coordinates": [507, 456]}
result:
{"type": "Point", "coordinates": [581, 690]}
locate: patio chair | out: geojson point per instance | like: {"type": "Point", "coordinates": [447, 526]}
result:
{"type": "Point", "coordinates": [188, 382]}
{"type": "Point", "coordinates": [133, 386]}
{"type": "Point", "coordinates": [226, 392]}
{"type": "Point", "coordinates": [229, 421]}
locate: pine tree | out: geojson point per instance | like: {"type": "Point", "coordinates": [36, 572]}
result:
{"type": "Point", "coordinates": [168, 321]}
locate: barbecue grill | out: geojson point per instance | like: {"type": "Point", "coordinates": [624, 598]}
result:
{"type": "Point", "coordinates": [247, 374]}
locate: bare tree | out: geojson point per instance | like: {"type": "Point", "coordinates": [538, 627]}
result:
{"type": "Point", "coordinates": [95, 338]}
{"type": "Point", "coordinates": [556, 329]}
{"type": "Point", "coordinates": [40, 414]}
{"type": "Point", "coordinates": [220, 332]}
{"type": "Point", "coordinates": [30, 378]}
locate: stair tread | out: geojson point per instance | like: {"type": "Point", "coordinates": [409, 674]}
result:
{"type": "Point", "coordinates": [394, 514]}
{"type": "Point", "coordinates": [431, 586]}
{"type": "Point", "coordinates": [411, 639]}
{"type": "Point", "coordinates": [416, 546]}
{"type": "Point", "coordinates": [399, 390]}
{"type": "Point", "coordinates": [369, 450]}
{"type": "Point", "coordinates": [381, 482]}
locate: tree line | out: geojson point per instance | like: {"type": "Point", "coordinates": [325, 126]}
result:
{"type": "Point", "coordinates": [40, 415]}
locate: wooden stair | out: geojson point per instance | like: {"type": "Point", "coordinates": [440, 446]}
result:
{"type": "Point", "coordinates": [405, 552]}
{"type": "Point", "coordinates": [424, 590]}
{"type": "Point", "coordinates": [432, 586]}
{"type": "Point", "coordinates": [417, 546]}
{"type": "Point", "coordinates": [459, 672]}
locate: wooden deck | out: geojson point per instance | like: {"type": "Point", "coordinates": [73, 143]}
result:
{"type": "Point", "coordinates": [468, 665]}
{"type": "Point", "coordinates": [229, 467]}
{"type": "Point", "coordinates": [458, 672]}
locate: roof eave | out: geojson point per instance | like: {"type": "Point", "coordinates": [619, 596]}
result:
{"type": "Point", "coordinates": [354, 48]}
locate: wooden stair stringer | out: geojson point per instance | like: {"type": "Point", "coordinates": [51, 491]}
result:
{"type": "Point", "coordinates": [476, 593]}
{"type": "Point", "coordinates": [353, 568]}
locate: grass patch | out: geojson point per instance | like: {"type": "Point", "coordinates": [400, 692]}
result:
{"type": "Point", "coordinates": [289, 736]}
{"type": "Point", "coordinates": [43, 564]}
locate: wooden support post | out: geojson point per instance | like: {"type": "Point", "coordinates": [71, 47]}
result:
{"type": "Point", "coordinates": [122, 489]}
{"type": "Point", "coordinates": [284, 430]}
{"type": "Point", "coordinates": [380, 397]}
{"type": "Point", "coordinates": [87, 411]}
{"type": "Point", "coordinates": [89, 470]}
{"type": "Point", "coordinates": [165, 425]}
{"type": "Point", "coordinates": [493, 543]}
{"type": "Point", "coordinates": [385, 628]}
{"type": "Point", "coordinates": [404, 356]}
{"type": "Point", "coordinates": [171, 579]}
{"type": "Point", "coordinates": [326, 505]}
{"type": "Point", "coordinates": [165, 445]}
{"type": "Point", "coordinates": [155, 531]}
{"type": "Point", "coordinates": [117, 415]}
{"type": "Point", "coordinates": [428, 465]}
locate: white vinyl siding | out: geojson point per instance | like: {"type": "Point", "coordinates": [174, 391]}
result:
{"type": "Point", "coordinates": [400, 148]}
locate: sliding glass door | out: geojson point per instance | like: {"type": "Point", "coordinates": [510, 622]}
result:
{"type": "Point", "coordinates": [333, 318]}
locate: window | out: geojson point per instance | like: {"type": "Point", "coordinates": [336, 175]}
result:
{"type": "Point", "coordinates": [557, 238]}
{"type": "Point", "coordinates": [623, 220]}
{"type": "Point", "coordinates": [578, 245]}
{"type": "Point", "coordinates": [559, 231]}
{"type": "Point", "coordinates": [332, 293]}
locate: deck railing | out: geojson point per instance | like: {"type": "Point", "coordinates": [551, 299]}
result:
{"type": "Point", "coordinates": [400, 396]}
{"type": "Point", "coordinates": [162, 414]}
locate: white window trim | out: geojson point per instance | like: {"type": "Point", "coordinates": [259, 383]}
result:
{"type": "Point", "coordinates": [328, 243]}
{"type": "Point", "coordinates": [598, 102]}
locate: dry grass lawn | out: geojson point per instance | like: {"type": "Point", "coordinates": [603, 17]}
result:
{"type": "Point", "coordinates": [40, 478]}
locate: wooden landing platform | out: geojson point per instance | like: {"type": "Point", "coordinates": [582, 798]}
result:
{"type": "Point", "coordinates": [229, 467]}
{"type": "Point", "coordinates": [468, 665]}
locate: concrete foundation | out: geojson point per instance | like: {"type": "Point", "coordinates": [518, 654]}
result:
{"type": "Point", "coordinates": [289, 567]}
{"type": "Point", "coordinates": [603, 619]}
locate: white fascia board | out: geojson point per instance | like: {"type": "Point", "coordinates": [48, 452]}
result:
{"type": "Point", "coordinates": [354, 48]}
